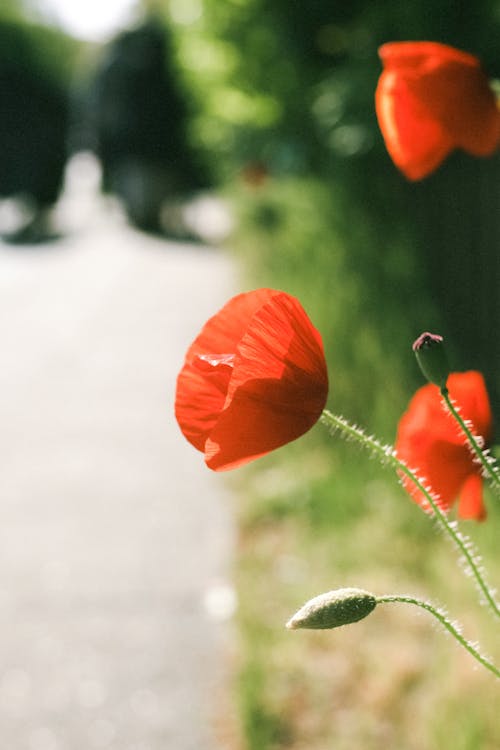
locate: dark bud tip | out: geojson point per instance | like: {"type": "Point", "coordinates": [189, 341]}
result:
{"type": "Point", "coordinates": [426, 341]}
{"type": "Point", "coordinates": [431, 357]}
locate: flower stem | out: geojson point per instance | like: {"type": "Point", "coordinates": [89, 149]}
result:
{"type": "Point", "coordinates": [450, 627]}
{"type": "Point", "coordinates": [387, 454]}
{"type": "Point", "coordinates": [490, 467]}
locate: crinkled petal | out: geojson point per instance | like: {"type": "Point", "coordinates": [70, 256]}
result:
{"type": "Point", "coordinates": [200, 396]}
{"type": "Point", "coordinates": [278, 388]}
{"type": "Point", "coordinates": [251, 426]}
{"type": "Point", "coordinates": [203, 380]}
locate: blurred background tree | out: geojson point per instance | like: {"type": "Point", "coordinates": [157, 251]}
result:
{"type": "Point", "coordinates": [139, 124]}
{"type": "Point", "coordinates": [35, 106]}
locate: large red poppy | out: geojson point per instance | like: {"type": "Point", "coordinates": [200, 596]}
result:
{"type": "Point", "coordinates": [430, 100]}
{"type": "Point", "coordinates": [254, 379]}
{"type": "Point", "coordinates": [430, 442]}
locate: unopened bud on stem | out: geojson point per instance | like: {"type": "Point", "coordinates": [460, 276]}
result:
{"type": "Point", "coordinates": [431, 357]}
{"type": "Point", "coordinates": [333, 609]}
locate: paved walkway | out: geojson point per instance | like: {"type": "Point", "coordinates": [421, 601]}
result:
{"type": "Point", "coordinates": [114, 538]}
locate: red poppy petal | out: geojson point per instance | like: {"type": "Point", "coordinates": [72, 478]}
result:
{"type": "Point", "coordinates": [200, 397]}
{"type": "Point", "coordinates": [446, 467]}
{"type": "Point", "coordinates": [203, 381]}
{"type": "Point", "coordinates": [458, 96]}
{"type": "Point", "coordinates": [430, 441]}
{"type": "Point", "coordinates": [278, 389]}
{"type": "Point", "coordinates": [442, 466]}
{"type": "Point", "coordinates": [222, 332]}
{"type": "Point", "coordinates": [478, 130]}
{"type": "Point", "coordinates": [468, 390]}
{"type": "Point", "coordinates": [416, 142]}
{"type": "Point", "coordinates": [471, 499]}
{"type": "Point", "coordinates": [252, 426]}
{"type": "Point", "coordinates": [432, 98]}
{"type": "Point", "coordinates": [427, 421]}
{"type": "Point", "coordinates": [281, 342]}
{"type": "Point", "coordinates": [409, 55]}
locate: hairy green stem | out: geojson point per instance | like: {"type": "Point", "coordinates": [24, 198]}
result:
{"type": "Point", "coordinates": [450, 627]}
{"type": "Point", "coordinates": [490, 467]}
{"type": "Point", "coordinates": [387, 455]}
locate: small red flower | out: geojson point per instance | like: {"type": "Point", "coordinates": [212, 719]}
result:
{"type": "Point", "coordinates": [430, 100]}
{"type": "Point", "coordinates": [254, 379]}
{"type": "Point", "coordinates": [430, 442]}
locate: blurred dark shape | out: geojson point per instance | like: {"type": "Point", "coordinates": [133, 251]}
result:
{"type": "Point", "coordinates": [255, 174]}
{"type": "Point", "coordinates": [34, 110]}
{"type": "Point", "coordinates": [140, 118]}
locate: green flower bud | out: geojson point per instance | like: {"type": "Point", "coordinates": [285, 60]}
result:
{"type": "Point", "coordinates": [431, 358]}
{"type": "Point", "coordinates": [333, 609]}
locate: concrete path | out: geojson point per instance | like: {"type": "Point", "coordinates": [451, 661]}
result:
{"type": "Point", "coordinates": [115, 540]}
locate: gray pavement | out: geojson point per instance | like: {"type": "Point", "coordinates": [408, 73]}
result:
{"type": "Point", "coordinates": [115, 540]}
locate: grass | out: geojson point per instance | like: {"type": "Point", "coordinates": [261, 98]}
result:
{"type": "Point", "coordinates": [319, 514]}
{"type": "Point", "coordinates": [383, 679]}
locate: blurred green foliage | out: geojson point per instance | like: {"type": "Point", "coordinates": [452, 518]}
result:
{"type": "Point", "coordinates": [292, 83]}
{"type": "Point", "coordinates": [36, 48]}
{"type": "Point", "coordinates": [289, 86]}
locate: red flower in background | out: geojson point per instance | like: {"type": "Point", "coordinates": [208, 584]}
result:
{"type": "Point", "coordinates": [430, 441]}
{"type": "Point", "coordinates": [430, 100]}
{"type": "Point", "coordinates": [254, 379]}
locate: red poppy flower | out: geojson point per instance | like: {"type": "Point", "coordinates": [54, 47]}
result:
{"type": "Point", "coordinates": [430, 442]}
{"type": "Point", "coordinates": [254, 379]}
{"type": "Point", "coordinates": [431, 99]}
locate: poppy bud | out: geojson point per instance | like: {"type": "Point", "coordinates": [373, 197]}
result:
{"type": "Point", "coordinates": [333, 609]}
{"type": "Point", "coordinates": [431, 358]}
